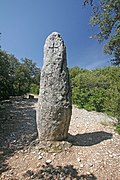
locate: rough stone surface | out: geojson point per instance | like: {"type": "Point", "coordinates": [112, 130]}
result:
{"type": "Point", "coordinates": [55, 105]}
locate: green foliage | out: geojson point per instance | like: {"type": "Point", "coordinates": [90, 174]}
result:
{"type": "Point", "coordinates": [17, 78]}
{"type": "Point", "coordinates": [4, 75]}
{"type": "Point", "coordinates": [26, 75]}
{"type": "Point", "coordinates": [118, 128]}
{"type": "Point", "coordinates": [34, 89]}
{"type": "Point", "coordinates": [106, 17]}
{"type": "Point", "coordinates": [97, 90]}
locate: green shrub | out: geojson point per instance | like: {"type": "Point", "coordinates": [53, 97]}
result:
{"type": "Point", "coordinates": [97, 90]}
{"type": "Point", "coordinates": [118, 128]}
{"type": "Point", "coordinates": [34, 89]}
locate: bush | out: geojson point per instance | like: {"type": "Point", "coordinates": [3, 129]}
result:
{"type": "Point", "coordinates": [118, 128]}
{"type": "Point", "coordinates": [97, 90]}
{"type": "Point", "coordinates": [34, 89]}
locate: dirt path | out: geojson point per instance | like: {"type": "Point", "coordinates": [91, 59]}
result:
{"type": "Point", "coordinates": [94, 154]}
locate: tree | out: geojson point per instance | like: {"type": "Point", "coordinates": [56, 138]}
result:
{"type": "Point", "coordinates": [0, 39]}
{"type": "Point", "coordinates": [17, 78]}
{"type": "Point", "coordinates": [27, 74]}
{"type": "Point", "coordinates": [4, 75]}
{"type": "Point", "coordinates": [106, 16]}
{"type": "Point", "coordinates": [97, 90]}
{"type": "Point", "coordinates": [13, 66]}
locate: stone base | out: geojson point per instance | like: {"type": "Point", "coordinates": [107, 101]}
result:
{"type": "Point", "coordinates": [54, 146]}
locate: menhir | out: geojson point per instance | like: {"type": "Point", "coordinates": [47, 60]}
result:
{"type": "Point", "coordinates": [55, 101]}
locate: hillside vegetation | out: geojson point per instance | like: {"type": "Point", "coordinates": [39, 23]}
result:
{"type": "Point", "coordinates": [97, 90]}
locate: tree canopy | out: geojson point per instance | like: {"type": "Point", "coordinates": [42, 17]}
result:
{"type": "Point", "coordinates": [17, 77]}
{"type": "Point", "coordinates": [97, 90]}
{"type": "Point", "coordinates": [106, 16]}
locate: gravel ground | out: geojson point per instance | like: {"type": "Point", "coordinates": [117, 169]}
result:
{"type": "Point", "coordinates": [92, 150]}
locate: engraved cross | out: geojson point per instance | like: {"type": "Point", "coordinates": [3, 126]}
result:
{"type": "Point", "coordinates": [53, 47]}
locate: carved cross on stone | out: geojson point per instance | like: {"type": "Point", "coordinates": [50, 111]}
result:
{"type": "Point", "coordinates": [53, 47]}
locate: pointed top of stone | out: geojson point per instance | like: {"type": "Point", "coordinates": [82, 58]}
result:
{"type": "Point", "coordinates": [55, 33]}
{"type": "Point", "coordinates": [54, 36]}
{"type": "Point", "coordinates": [54, 46]}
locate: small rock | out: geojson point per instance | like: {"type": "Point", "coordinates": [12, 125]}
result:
{"type": "Point", "coordinates": [33, 152]}
{"type": "Point", "coordinates": [28, 173]}
{"type": "Point", "coordinates": [91, 165]}
{"type": "Point", "coordinates": [78, 159]}
{"type": "Point", "coordinates": [1, 152]}
{"type": "Point", "coordinates": [38, 165]}
{"type": "Point", "coordinates": [91, 171]}
{"type": "Point", "coordinates": [54, 154]}
{"type": "Point", "coordinates": [16, 157]}
{"type": "Point", "coordinates": [42, 154]}
{"type": "Point", "coordinates": [48, 161]}
{"type": "Point", "coordinates": [11, 171]}
{"type": "Point", "coordinates": [3, 176]}
{"type": "Point", "coordinates": [81, 165]}
{"type": "Point", "coordinates": [57, 144]}
{"type": "Point", "coordinates": [65, 149]}
{"type": "Point", "coordinates": [88, 173]}
{"type": "Point", "coordinates": [110, 155]}
{"type": "Point", "coordinates": [60, 148]}
{"type": "Point", "coordinates": [40, 157]}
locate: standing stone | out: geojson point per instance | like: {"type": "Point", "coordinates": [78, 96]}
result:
{"type": "Point", "coordinates": [55, 103]}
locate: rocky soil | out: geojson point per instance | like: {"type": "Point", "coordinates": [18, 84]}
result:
{"type": "Point", "coordinates": [92, 150]}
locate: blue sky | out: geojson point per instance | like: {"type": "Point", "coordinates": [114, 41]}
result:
{"type": "Point", "coordinates": [25, 24]}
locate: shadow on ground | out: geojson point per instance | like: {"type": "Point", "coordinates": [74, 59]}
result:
{"type": "Point", "coordinates": [18, 131]}
{"type": "Point", "coordinates": [59, 172]}
{"type": "Point", "coordinates": [17, 128]}
{"type": "Point", "coordinates": [88, 139]}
